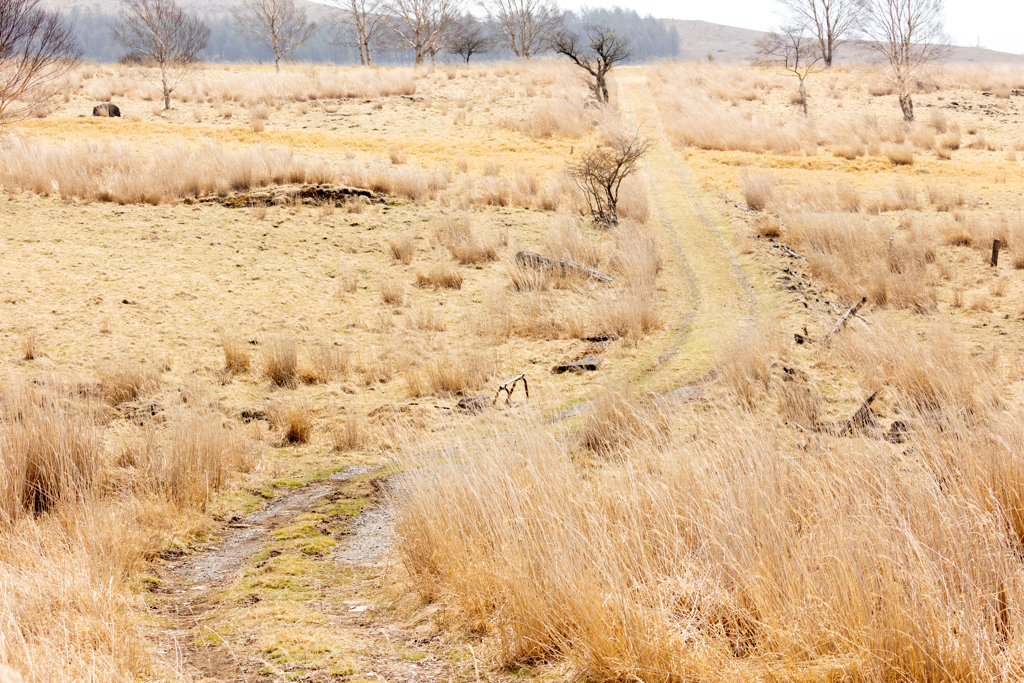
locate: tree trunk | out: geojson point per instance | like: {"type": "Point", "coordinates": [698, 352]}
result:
{"type": "Point", "coordinates": [419, 56]}
{"type": "Point", "coordinates": [907, 105]}
{"type": "Point", "coordinates": [601, 89]}
{"type": "Point", "coordinates": [167, 99]}
{"type": "Point", "coordinates": [803, 95]}
{"type": "Point", "coordinates": [827, 57]}
{"type": "Point", "coordinates": [277, 63]}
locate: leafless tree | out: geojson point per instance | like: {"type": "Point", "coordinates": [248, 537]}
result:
{"type": "Point", "coordinates": [599, 173]}
{"type": "Point", "coordinates": [469, 36]}
{"type": "Point", "coordinates": [525, 26]}
{"type": "Point", "coordinates": [422, 24]}
{"type": "Point", "coordinates": [37, 48]}
{"type": "Point", "coordinates": [278, 24]}
{"type": "Point", "coordinates": [604, 50]}
{"type": "Point", "coordinates": [165, 36]}
{"type": "Point", "coordinates": [793, 50]}
{"type": "Point", "coordinates": [362, 22]}
{"type": "Point", "coordinates": [907, 34]}
{"type": "Point", "coordinates": [830, 21]}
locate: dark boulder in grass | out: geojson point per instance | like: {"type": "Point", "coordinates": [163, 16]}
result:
{"type": "Point", "coordinates": [106, 110]}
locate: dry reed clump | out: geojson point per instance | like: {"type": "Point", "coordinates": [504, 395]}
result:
{"type": "Point", "coordinates": [574, 240]}
{"type": "Point", "coordinates": [30, 345]}
{"type": "Point", "coordinates": [554, 117]}
{"type": "Point", "coordinates": [946, 200]}
{"type": "Point", "coordinates": [326, 362]}
{"type": "Point", "coordinates": [426, 319]}
{"type": "Point", "coordinates": [746, 369]}
{"type": "Point", "coordinates": [629, 314]}
{"type": "Point", "coordinates": [200, 453]}
{"type": "Point", "coordinates": [253, 89]}
{"type": "Point", "coordinates": [758, 188]}
{"type": "Point", "coordinates": [533, 315]}
{"type": "Point", "coordinates": [633, 201]}
{"type": "Point", "coordinates": [636, 257]}
{"type": "Point", "coordinates": [292, 418]}
{"type": "Point", "coordinates": [621, 419]}
{"type": "Point", "coordinates": [126, 381]}
{"type": "Point", "coordinates": [281, 361]}
{"type": "Point", "coordinates": [856, 255]}
{"type": "Point", "coordinates": [455, 233]}
{"type": "Point", "coordinates": [899, 155]}
{"type": "Point", "coordinates": [349, 435]}
{"type": "Point", "coordinates": [392, 292]}
{"type": "Point", "coordinates": [765, 559]}
{"type": "Point", "coordinates": [401, 248]}
{"type": "Point", "coordinates": [440, 276]}
{"type": "Point", "coordinates": [49, 441]}
{"type": "Point", "coordinates": [932, 378]}
{"type": "Point", "coordinates": [237, 357]}
{"type": "Point", "coordinates": [451, 375]}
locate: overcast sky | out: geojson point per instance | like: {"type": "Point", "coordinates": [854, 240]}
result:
{"type": "Point", "coordinates": [997, 23]}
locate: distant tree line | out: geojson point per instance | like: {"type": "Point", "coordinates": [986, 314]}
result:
{"type": "Point", "coordinates": [336, 40]}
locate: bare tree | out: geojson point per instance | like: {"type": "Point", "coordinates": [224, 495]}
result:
{"type": "Point", "coordinates": [278, 24]}
{"type": "Point", "coordinates": [828, 20]}
{"type": "Point", "coordinates": [794, 51]}
{"type": "Point", "coordinates": [525, 26]}
{"type": "Point", "coordinates": [604, 50]}
{"type": "Point", "coordinates": [469, 36]}
{"type": "Point", "coordinates": [37, 48]}
{"type": "Point", "coordinates": [600, 171]}
{"type": "Point", "coordinates": [165, 36]}
{"type": "Point", "coordinates": [907, 34]}
{"type": "Point", "coordinates": [362, 22]}
{"type": "Point", "coordinates": [422, 24]}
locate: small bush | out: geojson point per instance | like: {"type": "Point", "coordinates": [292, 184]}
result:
{"type": "Point", "coordinates": [348, 436]}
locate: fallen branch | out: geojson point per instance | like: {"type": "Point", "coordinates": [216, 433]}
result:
{"type": "Point", "coordinates": [564, 266]}
{"type": "Point", "coordinates": [845, 318]}
{"type": "Point", "coordinates": [510, 386]}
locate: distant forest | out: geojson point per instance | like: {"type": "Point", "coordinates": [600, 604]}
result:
{"type": "Point", "coordinates": [652, 39]}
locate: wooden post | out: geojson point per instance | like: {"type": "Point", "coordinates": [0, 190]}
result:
{"type": "Point", "coordinates": [995, 253]}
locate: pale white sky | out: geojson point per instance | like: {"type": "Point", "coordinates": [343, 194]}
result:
{"type": "Point", "coordinates": [998, 23]}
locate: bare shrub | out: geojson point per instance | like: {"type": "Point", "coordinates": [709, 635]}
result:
{"type": "Point", "coordinates": [281, 361]}
{"type": "Point", "coordinates": [401, 248]}
{"type": "Point", "coordinates": [236, 354]}
{"type": "Point", "coordinates": [600, 172]}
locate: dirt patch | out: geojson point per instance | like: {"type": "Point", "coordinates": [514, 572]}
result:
{"type": "Point", "coordinates": [247, 536]}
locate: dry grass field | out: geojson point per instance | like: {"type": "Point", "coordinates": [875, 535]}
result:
{"type": "Point", "coordinates": [235, 337]}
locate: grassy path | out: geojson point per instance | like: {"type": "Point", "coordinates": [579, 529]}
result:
{"type": "Point", "coordinates": [710, 293]}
